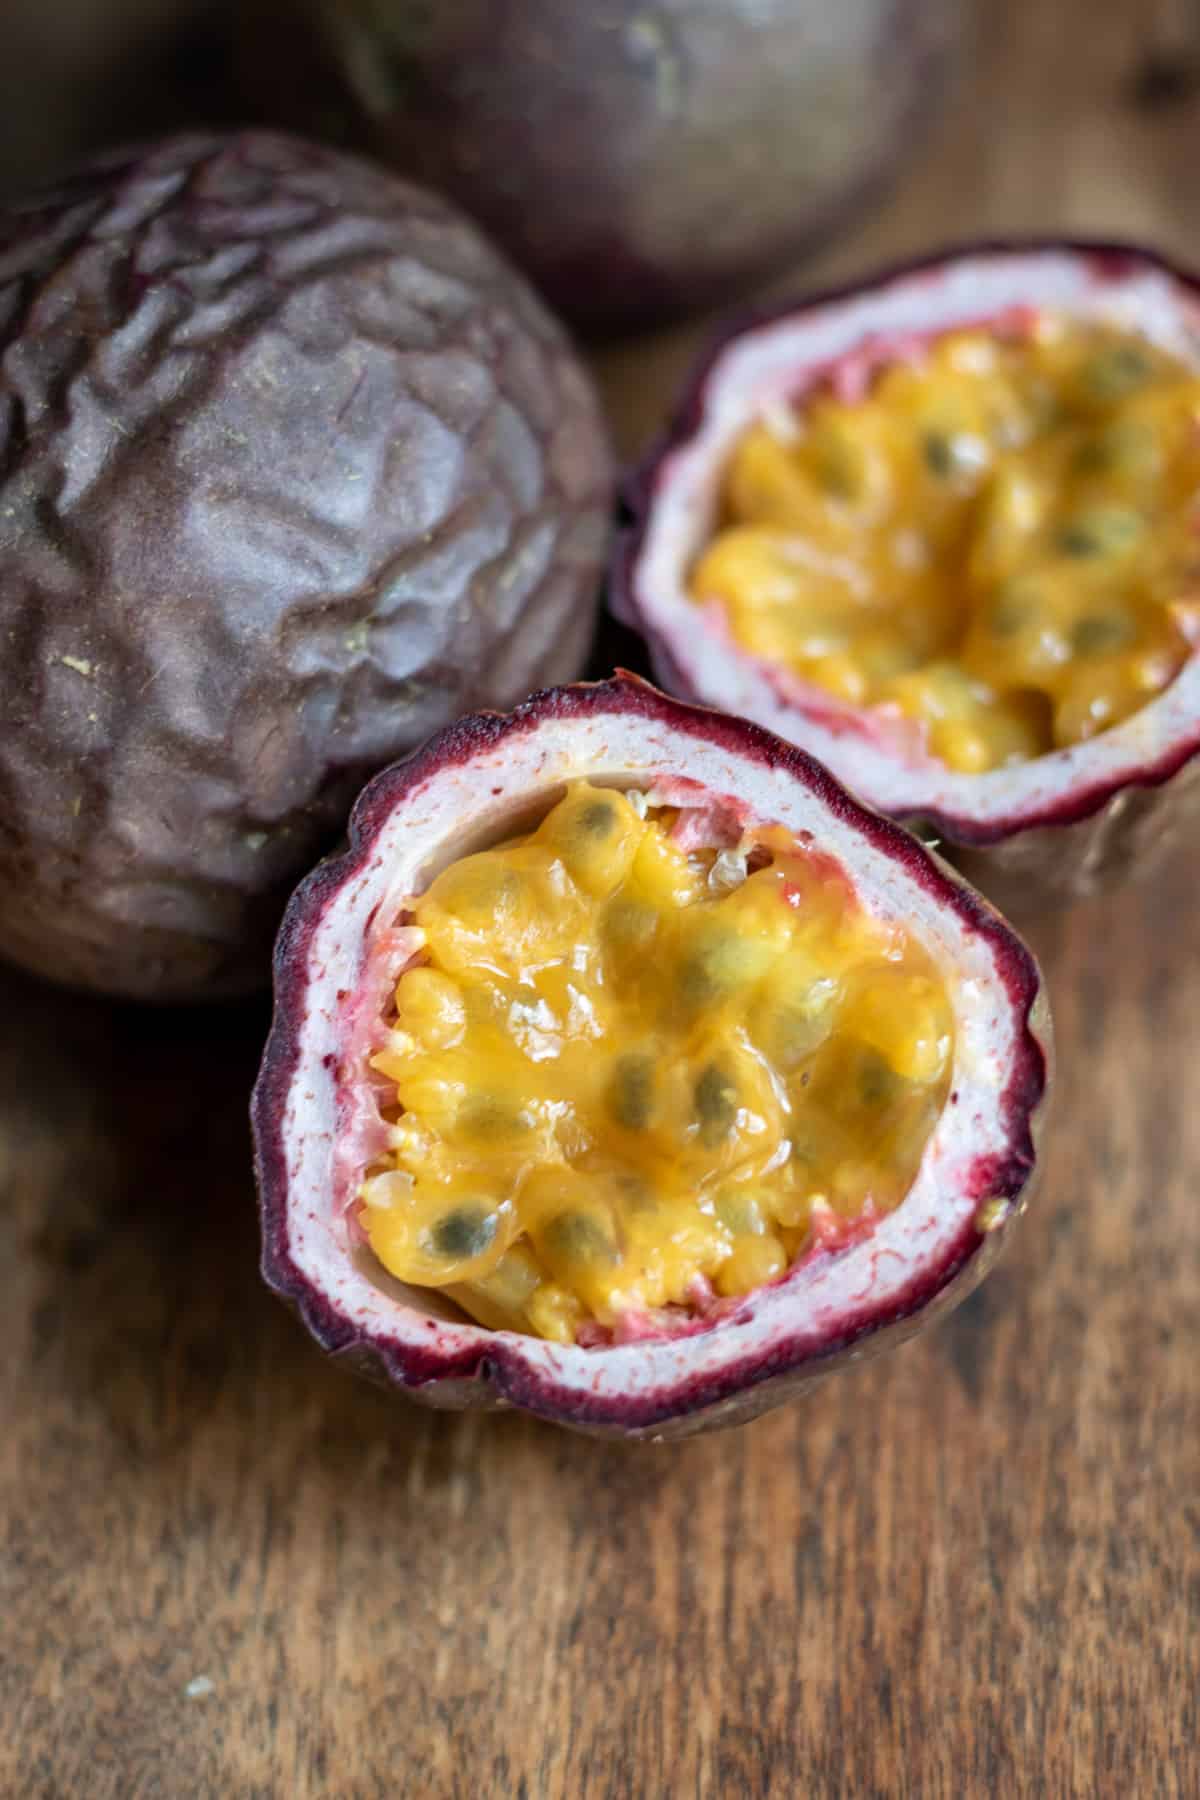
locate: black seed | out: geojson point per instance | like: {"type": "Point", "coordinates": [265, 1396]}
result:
{"type": "Point", "coordinates": [1094, 456]}
{"type": "Point", "coordinates": [578, 1237]}
{"type": "Point", "coordinates": [836, 479]}
{"type": "Point", "coordinates": [629, 923]}
{"type": "Point", "coordinates": [598, 818]}
{"type": "Point", "coordinates": [697, 982]}
{"type": "Point", "coordinates": [1077, 540]}
{"type": "Point", "coordinates": [1100, 533]}
{"type": "Point", "coordinates": [631, 1092]}
{"type": "Point", "coordinates": [716, 1099]}
{"type": "Point", "coordinates": [838, 468]}
{"type": "Point", "coordinates": [877, 1080]}
{"type": "Point", "coordinates": [709, 969]}
{"type": "Point", "coordinates": [1009, 615]}
{"type": "Point", "coordinates": [487, 1116]}
{"type": "Point", "coordinates": [938, 451]}
{"type": "Point", "coordinates": [1123, 445]}
{"type": "Point", "coordinates": [464, 1233]}
{"type": "Point", "coordinates": [636, 1195]}
{"type": "Point", "coordinates": [477, 901]}
{"type": "Point", "coordinates": [1100, 632]}
{"type": "Point", "coordinates": [1116, 372]}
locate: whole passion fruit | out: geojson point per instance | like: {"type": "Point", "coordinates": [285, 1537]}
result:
{"type": "Point", "coordinates": [941, 529]}
{"type": "Point", "coordinates": [636, 158]}
{"type": "Point", "coordinates": [626, 1070]}
{"type": "Point", "coordinates": [293, 469]}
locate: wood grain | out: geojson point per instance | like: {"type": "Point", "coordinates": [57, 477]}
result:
{"type": "Point", "coordinates": [973, 1568]}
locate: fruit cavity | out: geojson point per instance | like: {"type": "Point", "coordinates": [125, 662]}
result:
{"type": "Point", "coordinates": [636, 1070]}
{"type": "Point", "coordinates": [993, 538]}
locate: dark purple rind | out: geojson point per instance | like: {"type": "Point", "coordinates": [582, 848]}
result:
{"type": "Point", "coordinates": [637, 159]}
{"type": "Point", "coordinates": [495, 1377]}
{"type": "Point", "coordinates": [1019, 864]}
{"type": "Point", "coordinates": [293, 469]}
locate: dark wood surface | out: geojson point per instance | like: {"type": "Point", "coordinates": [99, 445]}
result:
{"type": "Point", "coordinates": [227, 1570]}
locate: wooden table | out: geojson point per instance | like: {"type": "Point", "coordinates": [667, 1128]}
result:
{"type": "Point", "coordinates": [973, 1568]}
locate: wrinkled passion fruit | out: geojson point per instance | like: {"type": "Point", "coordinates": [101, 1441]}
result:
{"type": "Point", "coordinates": [636, 158]}
{"type": "Point", "coordinates": [294, 469]}
{"type": "Point", "coordinates": [942, 531]}
{"type": "Point", "coordinates": [627, 1070]}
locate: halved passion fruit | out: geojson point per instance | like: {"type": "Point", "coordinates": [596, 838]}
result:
{"type": "Point", "coordinates": [625, 1069]}
{"type": "Point", "coordinates": [943, 530]}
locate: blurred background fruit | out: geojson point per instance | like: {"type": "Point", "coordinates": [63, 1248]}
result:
{"type": "Point", "coordinates": [637, 159]}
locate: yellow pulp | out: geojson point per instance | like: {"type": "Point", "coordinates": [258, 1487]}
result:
{"type": "Point", "coordinates": [1000, 541]}
{"type": "Point", "coordinates": [619, 1083]}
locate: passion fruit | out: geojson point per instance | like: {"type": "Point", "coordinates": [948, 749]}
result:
{"type": "Point", "coordinates": [637, 158]}
{"type": "Point", "coordinates": [625, 1069]}
{"type": "Point", "coordinates": [293, 469]}
{"type": "Point", "coordinates": [941, 530]}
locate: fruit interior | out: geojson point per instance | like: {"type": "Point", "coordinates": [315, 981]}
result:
{"type": "Point", "coordinates": [992, 535]}
{"type": "Point", "coordinates": [640, 1061]}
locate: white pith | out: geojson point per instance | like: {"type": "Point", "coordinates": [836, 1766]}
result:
{"type": "Point", "coordinates": [764, 367]}
{"type": "Point", "coordinates": [462, 806]}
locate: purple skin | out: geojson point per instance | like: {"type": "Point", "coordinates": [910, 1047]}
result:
{"type": "Point", "coordinates": [747, 1385]}
{"type": "Point", "coordinates": [637, 159]}
{"type": "Point", "coordinates": [1126, 823]}
{"type": "Point", "coordinates": [293, 469]}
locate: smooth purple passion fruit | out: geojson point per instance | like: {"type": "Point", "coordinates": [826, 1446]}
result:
{"type": "Point", "coordinates": [293, 469]}
{"type": "Point", "coordinates": [1093, 481]}
{"type": "Point", "coordinates": [626, 1070]}
{"type": "Point", "coordinates": [635, 159]}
